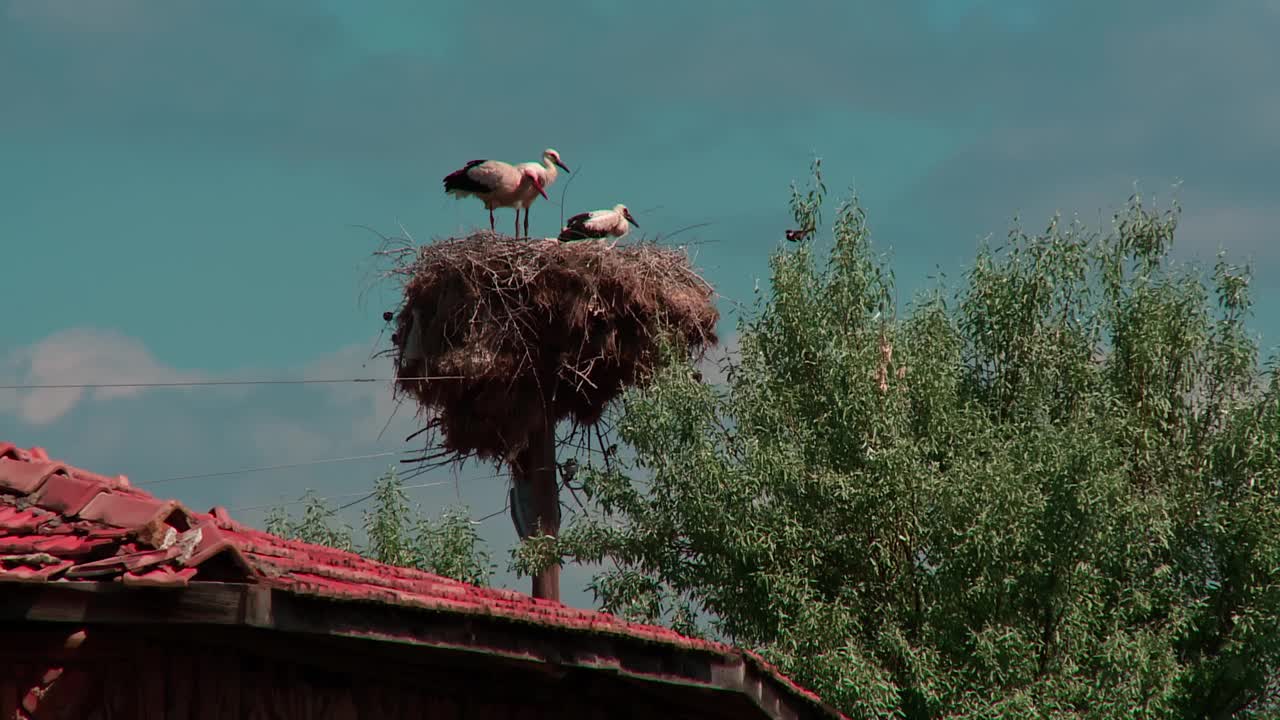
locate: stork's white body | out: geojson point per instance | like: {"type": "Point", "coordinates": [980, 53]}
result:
{"type": "Point", "coordinates": [497, 184]}
{"type": "Point", "coordinates": [614, 222]}
{"type": "Point", "coordinates": [546, 170]}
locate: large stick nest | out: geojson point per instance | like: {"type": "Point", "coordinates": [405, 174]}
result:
{"type": "Point", "coordinates": [519, 332]}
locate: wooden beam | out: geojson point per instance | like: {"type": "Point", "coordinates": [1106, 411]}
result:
{"type": "Point", "coordinates": [112, 602]}
{"type": "Point", "coordinates": [277, 621]}
{"type": "Point", "coordinates": [536, 466]}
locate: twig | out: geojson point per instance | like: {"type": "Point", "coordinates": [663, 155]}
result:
{"type": "Point", "coordinates": [689, 227]}
{"type": "Point", "coordinates": [565, 192]}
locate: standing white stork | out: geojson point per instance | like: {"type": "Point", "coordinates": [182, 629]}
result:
{"type": "Point", "coordinates": [615, 222]}
{"type": "Point", "coordinates": [497, 184]}
{"type": "Point", "coordinates": [547, 170]}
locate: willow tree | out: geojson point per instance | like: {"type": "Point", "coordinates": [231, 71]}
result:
{"type": "Point", "coordinates": [1053, 491]}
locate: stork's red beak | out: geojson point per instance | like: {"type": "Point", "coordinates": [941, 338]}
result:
{"type": "Point", "coordinates": [561, 165]}
{"type": "Point", "coordinates": [632, 220]}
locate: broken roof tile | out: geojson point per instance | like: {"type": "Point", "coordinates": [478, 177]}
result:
{"type": "Point", "coordinates": [67, 545]}
{"type": "Point", "coordinates": [14, 520]}
{"type": "Point", "coordinates": [118, 564]}
{"type": "Point", "coordinates": [97, 531]}
{"type": "Point", "coordinates": [159, 577]}
{"type": "Point", "coordinates": [24, 573]}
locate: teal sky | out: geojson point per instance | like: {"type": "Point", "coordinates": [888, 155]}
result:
{"type": "Point", "coordinates": [179, 179]}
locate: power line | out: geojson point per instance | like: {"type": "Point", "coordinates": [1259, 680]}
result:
{"type": "Point", "coordinates": [496, 513]}
{"type": "Point", "coordinates": [206, 383]}
{"type": "Point", "coordinates": [264, 468]}
{"type": "Point", "coordinates": [362, 495]}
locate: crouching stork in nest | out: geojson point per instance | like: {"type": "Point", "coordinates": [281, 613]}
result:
{"type": "Point", "coordinates": [615, 222]}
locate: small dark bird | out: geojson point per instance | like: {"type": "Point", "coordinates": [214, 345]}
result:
{"type": "Point", "coordinates": [568, 470]}
{"type": "Point", "coordinates": [386, 316]}
{"type": "Point", "coordinates": [798, 235]}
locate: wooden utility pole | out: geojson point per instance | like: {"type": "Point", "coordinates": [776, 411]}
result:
{"type": "Point", "coordinates": [536, 466]}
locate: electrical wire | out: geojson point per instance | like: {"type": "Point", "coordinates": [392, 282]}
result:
{"type": "Point", "coordinates": [206, 383]}
{"type": "Point", "coordinates": [264, 468]}
{"type": "Point", "coordinates": [505, 507]}
{"type": "Point", "coordinates": [362, 495]}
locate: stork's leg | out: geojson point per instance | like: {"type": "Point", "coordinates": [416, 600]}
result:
{"type": "Point", "coordinates": [516, 233]}
{"type": "Point", "coordinates": [491, 227]}
{"type": "Point", "coordinates": [526, 222]}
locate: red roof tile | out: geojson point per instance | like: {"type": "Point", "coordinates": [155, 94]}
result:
{"type": "Point", "coordinates": [25, 478]}
{"type": "Point", "coordinates": [60, 524]}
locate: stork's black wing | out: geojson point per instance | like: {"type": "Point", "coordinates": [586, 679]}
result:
{"type": "Point", "coordinates": [460, 180]}
{"type": "Point", "coordinates": [576, 228]}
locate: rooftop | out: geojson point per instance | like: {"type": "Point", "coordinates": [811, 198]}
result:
{"type": "Point", "coordinates": [67, 530]}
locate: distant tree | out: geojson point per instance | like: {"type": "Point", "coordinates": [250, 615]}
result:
{"type": "Point", "coordinates": [396, 533]}
{"type": "Point", "coordinates": [1054, 492]}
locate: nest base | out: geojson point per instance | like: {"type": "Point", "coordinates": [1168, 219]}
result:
{"type": "Point", "coordinates": [523, 334]}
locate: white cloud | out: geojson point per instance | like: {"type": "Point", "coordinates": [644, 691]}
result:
{"type": "Point", "coordinates": [375, 401]}
{"type": "Point", "coordinates": [88, 356]}
{"type": "Point", "coordinates": [368, 412]}
{"type": "Point", "coordinates": [80, 356]}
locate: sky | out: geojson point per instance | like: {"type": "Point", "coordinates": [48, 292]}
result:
{"type": "Point", "coordinates": [182, 183]}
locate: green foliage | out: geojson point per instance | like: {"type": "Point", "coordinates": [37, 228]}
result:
{"type": "Point", "coordinates": [1054, 492]}
{"type": "Point", "coordinates": [451, 547]}
{"type": "Point", "coordinates": [397, 534]}
{"type": "Point", "coordinates": [319, 524]}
